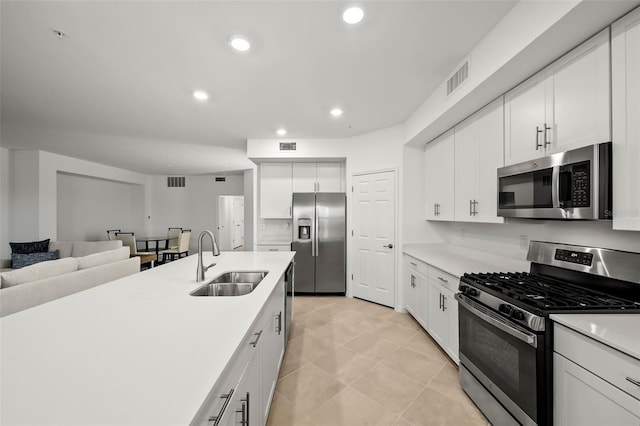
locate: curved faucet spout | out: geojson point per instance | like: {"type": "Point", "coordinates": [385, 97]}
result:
{"type": "Point", "coordinates": [214, 250]}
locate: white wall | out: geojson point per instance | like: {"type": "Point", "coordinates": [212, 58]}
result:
{"type": "Point", "coordinates": [194, 207]}
{"type": "Point", "coordinates": [88, 206]}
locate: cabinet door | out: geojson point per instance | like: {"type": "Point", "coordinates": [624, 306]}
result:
{"type": "Point", "coordinates": [578, 96]}
{"type": "Point", "coordinates": [524, 115]}
{"type": "Point", "coordinates": [467, 168]}
{"type": "Point", "coordinates": [439, 175]}
{"type": "Point", "coordinates": [581, 398]}
{"type": "Point", "coordinates": [438, 322]}
{"type": "Point", "coordinates": [275, 190]}
{"type": "Point", "coordinates": [329, 177]}
{"type": "Point", "coordinates": [625, 55]}
{"type": "Point", "coordinates": [422, 300]}
{"type": "Point", "coordinates": [272, 345]}
{"type": "Point", "coordinates": [450, 307]}
{"type": "Point", "coordinates": [410, 278]}
{"type": "Point", "coordinates": [304, 177]}
{"type": "Point", "coordinates": [490, 125]}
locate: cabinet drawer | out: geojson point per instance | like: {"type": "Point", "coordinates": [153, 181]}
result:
{"type": "Point", "coordinates": [417, 265]}
{"type": "Point", "coordinates": [444, 279]}
{"type": "Point", "coordinates": [611, 365]}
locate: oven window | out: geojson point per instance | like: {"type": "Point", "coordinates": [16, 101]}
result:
{"type": "Point", "coordinates": [526, 191]}
{"type": "Point", "coordinates": [509, 363]}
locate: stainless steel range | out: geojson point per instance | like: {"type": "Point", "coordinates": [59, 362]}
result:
{"type": "Point", "coordinates": [506, 337]}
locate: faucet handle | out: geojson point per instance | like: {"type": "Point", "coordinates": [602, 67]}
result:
{"type": "Point", "coordinates": [210, 266]}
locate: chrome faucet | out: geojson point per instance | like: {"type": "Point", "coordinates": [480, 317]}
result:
{"type": "Point", "coordinates": [214, 249]}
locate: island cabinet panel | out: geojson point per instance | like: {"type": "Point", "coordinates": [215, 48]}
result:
{"type": "Point", "coordinates": [244, 393]}
{"type": "Point", "coordinates": [625, 57]}
{"type": "Point", "coordinates": [439, 176]}
{"type": "Point", "coordinates": [593, 383]}
{"type": "Point", "coordinates": [275, 190]}
{"type": "Point", "coordinates": [567, 105]}
{"type": "Point", "coordinates": [479, 152]}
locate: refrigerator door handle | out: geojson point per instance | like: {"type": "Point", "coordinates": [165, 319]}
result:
{"type": "Point", "coordinates": [315, 224]}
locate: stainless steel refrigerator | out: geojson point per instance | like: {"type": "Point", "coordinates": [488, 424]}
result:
{"type": "Point", "coordinates": [319, 240]}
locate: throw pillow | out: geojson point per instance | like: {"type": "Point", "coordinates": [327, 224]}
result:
{"type": "Point", "coordinates": [30, 247]}
{"type": "Point", "coordinates": [19, 260]}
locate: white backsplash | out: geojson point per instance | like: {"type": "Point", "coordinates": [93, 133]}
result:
{"type": "Point", "coordinates": [512, 239]}
{"type": "Point", "coordinates": [274, 230]}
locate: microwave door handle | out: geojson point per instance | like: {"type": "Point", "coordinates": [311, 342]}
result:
{"type": "Point", "coordinates": [555, 190]}
{"type": "Point", "coordinates": [528, 338]}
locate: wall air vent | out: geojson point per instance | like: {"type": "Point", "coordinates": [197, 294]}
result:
{"type": "Point", "coordinates": [221, 179]}
{"type": "Point", "coordinates": [176, 182]}
{"type": "Point", "coordinates": [458, 77]}
{"type": "Point", "coordinates": [287, 146]}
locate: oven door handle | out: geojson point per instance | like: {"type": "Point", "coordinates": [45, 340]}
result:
{"type": "Point", "coordinates": [484, 314]}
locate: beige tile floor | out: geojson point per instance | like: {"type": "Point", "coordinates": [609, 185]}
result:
{"type": "Point", "coordinates": [350, 362]}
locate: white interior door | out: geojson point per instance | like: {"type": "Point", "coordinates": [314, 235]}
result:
{"type": "Point", "coordinates": [225, 205]}
{"type": "Point", "coordinates": [238, 222]}
{"type": "Point", "coordinates": [374, 237]}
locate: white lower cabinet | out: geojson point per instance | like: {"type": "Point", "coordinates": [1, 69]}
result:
{"type": "Point", "coordinates": [416, 290]}
{"type": "Point", "coordinates": [443, 311]}
{"type": "Point", "coordinates": [590, 382]}
{"type": "Point", "coordinates": [428, 294]}
{"type": "Point", "coordinates": [243, 394]}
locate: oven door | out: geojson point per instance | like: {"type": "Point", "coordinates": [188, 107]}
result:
{"type": "Point", "coordinates": [507, 359]}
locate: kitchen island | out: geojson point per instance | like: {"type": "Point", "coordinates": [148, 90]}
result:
{"type": "Point", "coordinates": [138, 351]}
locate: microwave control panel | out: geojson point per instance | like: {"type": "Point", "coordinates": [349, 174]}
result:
{"type": "Point", "coordinates": [571, 256]}
{"type": "Point", "coordinates": [580, 186]}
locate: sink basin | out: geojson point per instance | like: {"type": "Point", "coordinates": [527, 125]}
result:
{"type": "Point", "coordinates": [233, 283]}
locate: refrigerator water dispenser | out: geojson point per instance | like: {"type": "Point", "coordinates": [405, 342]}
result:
{"type": "Point", "coordinates": [304, 229]}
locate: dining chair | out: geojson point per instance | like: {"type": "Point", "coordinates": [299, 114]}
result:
{"type": "Point", "coordinates": [111, 233]}
{"type": "Point", "coordinates": [129, 240]}
{"type": "Point", "coordinates": [172, 235]}
{"type": "Point", "coordinates": [181, 249]}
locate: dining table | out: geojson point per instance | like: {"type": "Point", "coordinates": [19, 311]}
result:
{"type": "Point", "coordinates": [156, 240]}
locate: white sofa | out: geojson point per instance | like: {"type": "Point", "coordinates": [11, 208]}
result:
{"type": "Point", "coordinates": [82, 265]}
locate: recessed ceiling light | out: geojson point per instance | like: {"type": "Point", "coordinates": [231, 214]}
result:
{"type": "Point", "coordinates": [239, 42]}
{"type": "Point", "coordinates": [281, 132]}
{"type": "Point", "coordinates": [336, 112]}
{"type": "Point", "coordinates": [353, 15]}
{"type": "Point", "coordinates": [200, 95]}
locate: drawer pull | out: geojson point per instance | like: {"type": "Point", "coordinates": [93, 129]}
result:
{"type": "Point", "coordinates": [255, 342]}
{"type": "Point", "coordinates": [414, 264]}
{"type": "Point", "coordinates": [635, 382]}
{"type": "Point", "coordinates": [443, 280]}
{"type": "Point", "coordinates": [227, 398]}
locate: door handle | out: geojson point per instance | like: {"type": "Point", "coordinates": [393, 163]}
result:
{"type": "Point", "coordinates": [388, 246]}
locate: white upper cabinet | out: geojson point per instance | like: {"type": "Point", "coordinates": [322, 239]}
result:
{"type": "Point", "coordinates": [625, 55]}
{"type": "Point", "coordinates": [565, 106]}
{"type": "Point", "coordinates": [479, 152]}
{"type": "Point", "coordinates": [275, 190]}
{"type": "Point", "coordinates": [317, 177]}
{"type": "Point", "coordinates": [439, 175]}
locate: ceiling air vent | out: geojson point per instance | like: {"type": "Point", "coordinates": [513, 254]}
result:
{"type": "Point", "coordinates": [221, 179]}
{"type": "Point", "coordinates": [287, 146]}
{"type": "Point", "coordinates": [458, 77]}
{"type": "Point", "coordinates": [176, 181]}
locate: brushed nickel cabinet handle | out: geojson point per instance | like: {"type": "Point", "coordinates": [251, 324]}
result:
{"type": "Point", "coordinates": [470, 208]}
{"type": "Point", "coordinates": [635, 382]}
{"type": "Point", "coordinates": [227, 399]}
{"type": "Point", "coordinates": [538, 144]}
{"type": "Point", "coordinates": [414, 264]}
{"type": "Point", "coordinates": [443, 280]}
{"type": "Point", "coordinates": [255, 342]}
{"type": "Point", "coordinates": [546, 140]}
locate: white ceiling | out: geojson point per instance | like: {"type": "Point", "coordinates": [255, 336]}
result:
{"type": "Point", "coordinates": [117, 88]}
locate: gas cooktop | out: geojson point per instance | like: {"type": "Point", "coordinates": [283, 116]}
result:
{"type": "Point", "coordinates": [546, 294]}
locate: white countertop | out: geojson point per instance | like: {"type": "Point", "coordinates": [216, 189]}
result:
{"type": "Point", "coordinates": [139, 350]}
{"type": "Point", "coordinates": [274, 243]}
{"type": "Point", "coordinates": [457, 260]}
{"type": "Point", "coordinates": [620, 331]}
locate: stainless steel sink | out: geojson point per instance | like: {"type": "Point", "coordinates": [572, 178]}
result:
{"type": "Point", "coordinates": [233, 283]}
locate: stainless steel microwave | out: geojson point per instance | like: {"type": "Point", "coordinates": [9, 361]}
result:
{"type": "Point", "coordinates": [574, 184]}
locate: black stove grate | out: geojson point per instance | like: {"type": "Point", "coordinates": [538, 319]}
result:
{"type": "Point", "coordinates": [547, 294]}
